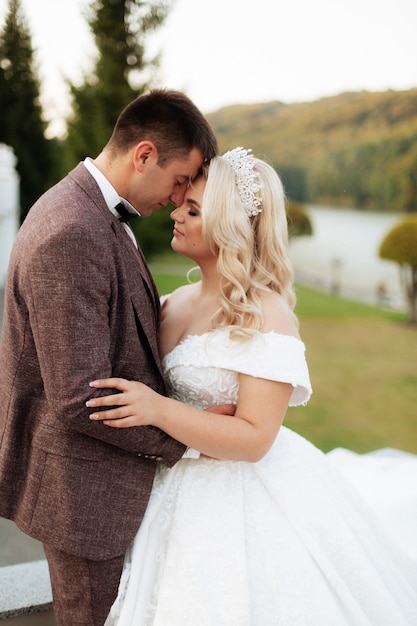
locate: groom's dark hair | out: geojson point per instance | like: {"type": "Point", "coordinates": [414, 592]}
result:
{"type": "Point", "coordinates": [170, 120]}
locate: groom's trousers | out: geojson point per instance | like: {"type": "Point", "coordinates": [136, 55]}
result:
{"type": "Point", "coordinates": [83, 590]}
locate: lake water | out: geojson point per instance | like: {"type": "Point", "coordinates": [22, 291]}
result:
{"type": "Point", "coordinates": [342, 255]}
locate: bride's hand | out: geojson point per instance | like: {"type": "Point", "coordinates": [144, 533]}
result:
{"type": "Point", "coordinates": [136, 405]}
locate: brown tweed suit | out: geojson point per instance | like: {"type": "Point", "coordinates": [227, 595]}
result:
{"type": "Point", "coordinates": [80, 304]}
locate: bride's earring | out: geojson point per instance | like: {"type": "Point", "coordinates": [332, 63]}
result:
{"type": "Point", "coordinates": [189, 275]}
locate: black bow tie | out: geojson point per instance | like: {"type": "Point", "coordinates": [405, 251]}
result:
{"type": "Point", "coordinates": [124, 214]}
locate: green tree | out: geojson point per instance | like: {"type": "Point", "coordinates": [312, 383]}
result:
{"type": "Point", "coordinates": [400, 245]}
{"type": "Point", "coordinates": [299, 223]}
{"type": "Point", "coordinates": [21, 121]}
{"type": "Point", "coordinates": [121, 71]}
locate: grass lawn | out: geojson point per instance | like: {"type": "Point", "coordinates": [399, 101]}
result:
{"type": "Point", "coordinates": [363, 368]}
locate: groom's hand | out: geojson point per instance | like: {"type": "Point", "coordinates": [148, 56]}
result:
{"type": "Point", "coordinates": [223, 409]}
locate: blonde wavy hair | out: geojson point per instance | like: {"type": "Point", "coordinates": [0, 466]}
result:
{"type": "Point", "coordinates": [252, 251]}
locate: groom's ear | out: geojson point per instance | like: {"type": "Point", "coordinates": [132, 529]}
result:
{"type": "Point", "coordinates": [144, 153]}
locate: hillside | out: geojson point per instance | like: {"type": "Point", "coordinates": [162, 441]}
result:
{"type": "Point", "coordinates": [355, 149]}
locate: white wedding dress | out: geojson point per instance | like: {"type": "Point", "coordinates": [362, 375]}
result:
{"type": "Point", "coordinates": [286, 541]}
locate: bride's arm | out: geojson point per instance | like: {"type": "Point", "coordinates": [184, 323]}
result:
{"type": "Point", "coordinates": [246, 436]}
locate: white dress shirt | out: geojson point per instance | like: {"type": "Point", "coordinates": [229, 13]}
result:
{"type": "Point", "coordinates": [111, 197]}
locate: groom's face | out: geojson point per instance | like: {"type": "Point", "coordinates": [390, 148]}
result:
{"type": "Point", "coordinates": [156, 186]}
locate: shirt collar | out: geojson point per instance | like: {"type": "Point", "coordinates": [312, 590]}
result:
{"type": "Point", "coordinates": [111, 197]}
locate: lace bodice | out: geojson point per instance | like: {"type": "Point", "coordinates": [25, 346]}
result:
{"type": "Point", "coordinates": [203, 369]}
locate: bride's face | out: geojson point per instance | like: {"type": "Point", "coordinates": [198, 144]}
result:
{"type": "Point", "coordinates": [188, 239]}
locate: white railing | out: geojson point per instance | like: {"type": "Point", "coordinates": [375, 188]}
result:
{"type": "Point", "coordinates": [9, 206]}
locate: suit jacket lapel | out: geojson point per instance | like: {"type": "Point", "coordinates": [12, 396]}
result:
{"type": "Point", "coordinates": [137, 272]}
{"type": "Point", "coordinates": [141, 284]}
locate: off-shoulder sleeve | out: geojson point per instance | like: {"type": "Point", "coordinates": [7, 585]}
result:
{"type": "Point", "coordinates": [265, 355]}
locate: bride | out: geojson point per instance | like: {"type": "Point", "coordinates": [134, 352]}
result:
{"type": "Point", "coordinates": [259, 528]}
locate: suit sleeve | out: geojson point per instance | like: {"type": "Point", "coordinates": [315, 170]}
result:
{"type": "Point", "coordinates": [70, 305]}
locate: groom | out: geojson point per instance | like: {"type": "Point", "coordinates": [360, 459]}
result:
{"type": "Point", "coordinates": [80, 304]}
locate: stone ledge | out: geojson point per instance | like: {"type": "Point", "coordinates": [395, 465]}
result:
{"type": "Point", "coordinates": [24, 588]}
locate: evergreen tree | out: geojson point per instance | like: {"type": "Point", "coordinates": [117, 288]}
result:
{"type": "Point", "coordinates": [21, 124]}
{"type": "Point", "coordinates": [120, 28]}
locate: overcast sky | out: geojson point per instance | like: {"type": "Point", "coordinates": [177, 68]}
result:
{"type": "Point", "coordinates": [223, 52]}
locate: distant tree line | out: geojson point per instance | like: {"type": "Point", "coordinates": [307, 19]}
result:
{"type": "Point", "coordinates": [354, 149]}
{"type": "Point", "coordinates": [374, 175]}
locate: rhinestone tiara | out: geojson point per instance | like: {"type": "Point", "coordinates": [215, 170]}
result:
{"type": "Point", "coordinates": [242, 163]}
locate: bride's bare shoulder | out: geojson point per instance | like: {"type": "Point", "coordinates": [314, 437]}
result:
{"type": "Point", "coordinates": [278, 315]}
{"type": "Point", "coordinates": [179, 297]}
